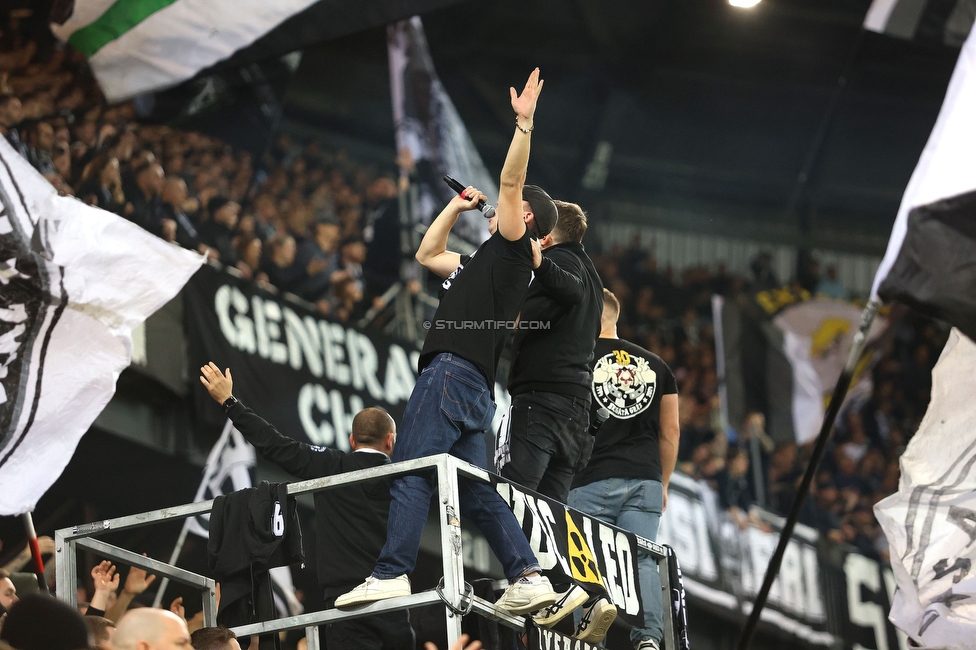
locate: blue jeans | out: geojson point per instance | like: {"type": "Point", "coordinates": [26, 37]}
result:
{"type": "Point", "coordinates": [449, 411]}
{"type": "Point", "coordinates": [634, 505]}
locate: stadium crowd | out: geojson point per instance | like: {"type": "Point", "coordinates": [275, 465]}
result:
{"type": "Point", "coordinates": [301, 220]}
{"type": "Point", "coordinates": [298, 220]}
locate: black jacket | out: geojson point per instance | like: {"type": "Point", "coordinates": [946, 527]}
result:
{"type": "Point", "coordinates": [566, 296]}
{"type": "Point", "coordinates": [252, 531]}
{"type": "Point", "coordinates": [350, 521]}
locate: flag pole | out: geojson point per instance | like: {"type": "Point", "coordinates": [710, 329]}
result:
{"type": "Point", "coordinates": [35, 550]}
{"type": "Point", "coordinates": [164, 583]}
{"type": "Point", "coordinates": [836, 400]}
{"type": "Point", "coordinates": [207, 475]}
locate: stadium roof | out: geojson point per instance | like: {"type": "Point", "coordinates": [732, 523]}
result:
{"type": "Point", "coordinates": [710, 110]}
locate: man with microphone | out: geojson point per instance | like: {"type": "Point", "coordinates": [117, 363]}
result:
{"type": "Point", "coordinates": [625, 482]}
{"type": "Point", "coordinates": [452, 403]}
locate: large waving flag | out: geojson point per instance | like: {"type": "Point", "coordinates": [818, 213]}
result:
{"type": "Point", "coordinates": [930, 263]}
{"type": "Point", "coordinates": [930, 522]}
{"type": "Point", "coordinates": [135, 46]}
{"type": "Point", "coordinates": [945, 21]}
{"type": "Point", "coordinates": [780, 353]}
{"type": "Point", "coordinates": [431, 130]}
{"type": "Point", "coordinates": [74, 282]}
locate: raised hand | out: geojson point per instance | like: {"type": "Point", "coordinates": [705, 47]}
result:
{"type": "Point", "coordinates": [137, 581]}
{"type": "Point", "coordinates": [524, 104]}
{"type": "Point", "coordinates": [105, 577]}
{"type": "Point", "coordinates": [177, 608]}
{"type": "Point", "coordinates": [219, 385]}
{"type": "Point", "coordinates": [106, 582]}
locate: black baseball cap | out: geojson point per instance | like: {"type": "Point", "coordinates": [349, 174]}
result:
{"type": "Point", "coordinates": [542, 207]}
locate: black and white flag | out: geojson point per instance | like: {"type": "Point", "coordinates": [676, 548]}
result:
{"type": "Point", "coordinates": [945, 21]}
{"type": "Point", "coordinates": [930, 523]}
{"type": "Point", "coordinates": [431, 130]}
{"type": "Point", "coordinates": [929, 261]}
{"type": "Point", "coordinates": [228, 469]}
{"type": "Point", "coordinates": [74, 282]}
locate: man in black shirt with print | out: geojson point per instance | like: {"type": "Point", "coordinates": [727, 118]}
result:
{"type": "Point", "coordinates": [452, 403]}
{"type": "Point", "coordinates": [625, 482]}
{"type": "Point", "coordinates": [350, 521]}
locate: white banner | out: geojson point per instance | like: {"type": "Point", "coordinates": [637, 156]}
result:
{"type": "Point", "coordinates": [432, 131]}
{"type": "Point", "coordinates": [930, 522]}
{"type": "Point", "coordinates": [74, 282]}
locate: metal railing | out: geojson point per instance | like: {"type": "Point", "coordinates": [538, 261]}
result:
{"type": "Point", "coordinates": [456, 596]}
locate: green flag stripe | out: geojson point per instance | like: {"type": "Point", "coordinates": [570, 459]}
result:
{"type": "Point", "coordinates": [120, 18]}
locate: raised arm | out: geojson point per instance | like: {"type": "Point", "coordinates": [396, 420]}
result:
{"type": "Point", "coordinates": [511, 224]}
{"type": "Point", "coordinates": [433, 253]}
{"type": "Point", "coordinates": [561, 277]}
{"type": "Point", "coordinates": [297, 458]}
{"type": "Point", "coordinates": [668, 443]}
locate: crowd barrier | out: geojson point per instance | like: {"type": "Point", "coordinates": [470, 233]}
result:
{"type": "Point", "coordinates": [536, 515]}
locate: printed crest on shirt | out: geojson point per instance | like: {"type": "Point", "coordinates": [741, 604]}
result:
{"type": "Point", "coordinates": [625, 384]}
{"type": "Point", "coordinates": [446, 284]}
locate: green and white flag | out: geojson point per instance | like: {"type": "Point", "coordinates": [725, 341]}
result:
{"type": "Point", "coordinates": [136, 46]}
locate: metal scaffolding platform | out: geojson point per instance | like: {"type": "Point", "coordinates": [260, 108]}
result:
{"type": "Point", "coordinates": [455, 595]}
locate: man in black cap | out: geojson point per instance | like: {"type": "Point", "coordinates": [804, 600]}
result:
{"type": "Point", "coordinates": [452, 403]}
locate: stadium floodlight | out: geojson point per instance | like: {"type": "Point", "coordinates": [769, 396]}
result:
{"type": "Point", "coordinates": [744, 4]}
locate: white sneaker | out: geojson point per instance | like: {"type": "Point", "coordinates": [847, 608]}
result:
{"type": "Point", "coordinates": [596, 622]}
{"type": "Point", "coordinates": [566, 605]}
{"type": "Point", "coordinates": [374, 589]}
{"type": "Point", "coordinates": [648, 644]}
{"type": "Point", "coordinates": [524, 596]}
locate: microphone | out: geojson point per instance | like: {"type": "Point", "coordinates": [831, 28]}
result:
{"type": "Point", "coordinates": [486, 208]}
{"type": "Point", "coordinates": [599, 418]}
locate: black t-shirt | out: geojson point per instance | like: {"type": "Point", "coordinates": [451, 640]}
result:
{"type": "Point", "coordinates": [629, 382]}
{"type": "Point", "coordinates": [479, 303]}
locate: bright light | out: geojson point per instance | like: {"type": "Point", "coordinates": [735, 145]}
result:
{"type": "Point", "coordinates": [744, 4]}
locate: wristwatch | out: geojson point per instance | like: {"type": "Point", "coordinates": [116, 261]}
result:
{"type": "Point", "coordinates": [228, 403]}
